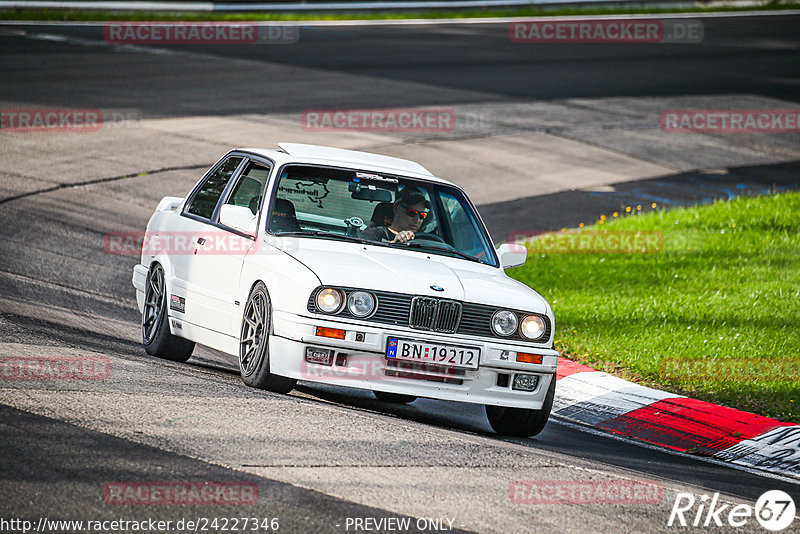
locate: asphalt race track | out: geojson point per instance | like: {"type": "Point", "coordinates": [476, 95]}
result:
{"type": "Point", "coordinates": [321, 455]}
{"type": "Point", "coordinates": [464, 63]}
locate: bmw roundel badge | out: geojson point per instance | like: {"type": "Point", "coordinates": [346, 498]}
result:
{"type": "Point", "coordinates": [437, 288]}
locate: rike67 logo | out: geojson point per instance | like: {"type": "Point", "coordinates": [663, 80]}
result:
{"type": "Point", "coordinates": [774, 510]}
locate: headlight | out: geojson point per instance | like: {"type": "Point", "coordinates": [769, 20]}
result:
{"type": "Point", "coordinates": [329, 300]}
{"type": "Point", "coordinates": [360, 303]}
{"type": "Point", "coordinates": [532, 327]}
{"type": "Point", "coordinates": [504, 323]}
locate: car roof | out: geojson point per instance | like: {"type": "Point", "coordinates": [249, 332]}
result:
{"type": "Point", "coordinates": [302, 153]}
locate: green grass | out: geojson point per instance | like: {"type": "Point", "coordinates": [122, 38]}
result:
{"type": "Point", "coordinates": [92, 15]}
{"type": "Point", "coordinates": [720, 303]}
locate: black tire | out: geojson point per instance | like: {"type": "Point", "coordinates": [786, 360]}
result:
{"type": "Point", "coordinates": [396, 398]}
{"type": "Point", "coordinates": [156, 338]}
{"type": "Point", "coordinates": [254, 344]}
{"type": "Point", "coordinates": [521, 422]}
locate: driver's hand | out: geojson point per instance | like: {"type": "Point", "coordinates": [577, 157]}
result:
{"type": "Point", "coordinates": [403, 236]}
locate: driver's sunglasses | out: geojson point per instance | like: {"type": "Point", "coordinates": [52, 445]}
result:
{"type": "Point", "coordinates": [411, 212]}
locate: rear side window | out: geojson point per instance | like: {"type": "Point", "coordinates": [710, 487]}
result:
{"type": "Point", "coordinates": [206, 198]}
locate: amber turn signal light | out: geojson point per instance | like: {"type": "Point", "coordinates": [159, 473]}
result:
{"type": "Point", "coordinates": [330, 332]}
{"type": "Point", "coordinates": [524, 357]}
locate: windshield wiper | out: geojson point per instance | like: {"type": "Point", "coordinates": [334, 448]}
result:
{"type": "Point", "coordinates": [322, 233]}
{"type": "Point", "coordinates": [425, 246]}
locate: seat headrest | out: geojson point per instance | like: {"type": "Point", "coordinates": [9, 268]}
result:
{"type": "Point", "coordinates": [283, 208]}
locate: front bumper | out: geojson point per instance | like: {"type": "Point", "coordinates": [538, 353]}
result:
{"type": "Point", "coordinates": [363, 365]}
{"type": "Point", "coordinates": [139, 280]}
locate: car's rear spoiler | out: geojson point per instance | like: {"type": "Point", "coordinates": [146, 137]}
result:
{"type": "Point", "coordinates": [169, 204]}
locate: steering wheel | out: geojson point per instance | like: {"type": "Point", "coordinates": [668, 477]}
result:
{"type": "Point", "coordinates": [425, 236]}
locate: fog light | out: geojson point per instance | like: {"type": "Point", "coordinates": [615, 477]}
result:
{"type": "Point", "coordinates": [319, 356]}
{"type": "Point", "coordinates": [525, 382]}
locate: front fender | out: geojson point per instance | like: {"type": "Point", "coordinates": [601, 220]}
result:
{"type": "Point", "coordinates": [289, 282]}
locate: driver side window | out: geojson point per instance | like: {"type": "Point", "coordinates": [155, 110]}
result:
{"type": "Point", "coordinates": [249, 188]}
{"type": "Point", "coordinates": [207, 196]}
{"type": "Point", "coordinates": [464, 229]}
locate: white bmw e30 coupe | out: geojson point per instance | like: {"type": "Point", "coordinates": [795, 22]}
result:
{"type": "Point", "coordinates": [347, 268]}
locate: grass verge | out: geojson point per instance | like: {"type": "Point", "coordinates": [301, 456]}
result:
{"type": "Point", "coordinates": [92, 15]}
{"type": "Point", "coordinates": [712, 311]}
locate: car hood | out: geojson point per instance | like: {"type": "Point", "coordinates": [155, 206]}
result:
{"type": "Point", "coordinates": [338, 263]}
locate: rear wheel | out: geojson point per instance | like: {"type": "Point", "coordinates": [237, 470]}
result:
{"type": "Point", "coordinates": [254, 345]}
{"type": "Point", "coordinates": [393, 397]}
{"type": "Point", "coordinates": [521, 422]}
{"type": "Point", "coordinates": [156, 337]}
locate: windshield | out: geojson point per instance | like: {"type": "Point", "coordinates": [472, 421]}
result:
{"type": "Point", "coordinates": [378, 208]}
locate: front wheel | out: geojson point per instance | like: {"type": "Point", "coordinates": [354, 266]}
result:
{"type": "Point", "coordinates": [521, 422]}
{"type": "Point", "coordinates": [396, 398]}
{"type": "Point", "coordinates": [254, 345]}
{"type": "Point", "coordinates": [156, 337]}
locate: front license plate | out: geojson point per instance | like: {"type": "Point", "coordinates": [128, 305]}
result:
{"type": "Point", "coordinates": [417, 351]}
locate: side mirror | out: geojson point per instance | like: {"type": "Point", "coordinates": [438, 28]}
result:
{"type": "Point", "coordinates": [512, 255]}
{"type": "Point", "coordinates": [239, 218]}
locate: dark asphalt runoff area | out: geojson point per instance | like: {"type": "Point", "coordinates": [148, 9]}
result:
{"type": "Point", "coordinates": [159, 421]}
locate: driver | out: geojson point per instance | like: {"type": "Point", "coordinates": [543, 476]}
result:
{"type": "Point", "coordinates": [410, 209]}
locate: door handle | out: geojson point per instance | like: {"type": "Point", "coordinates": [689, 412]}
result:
{"type": "Point", "coordinates": [201, 240]}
